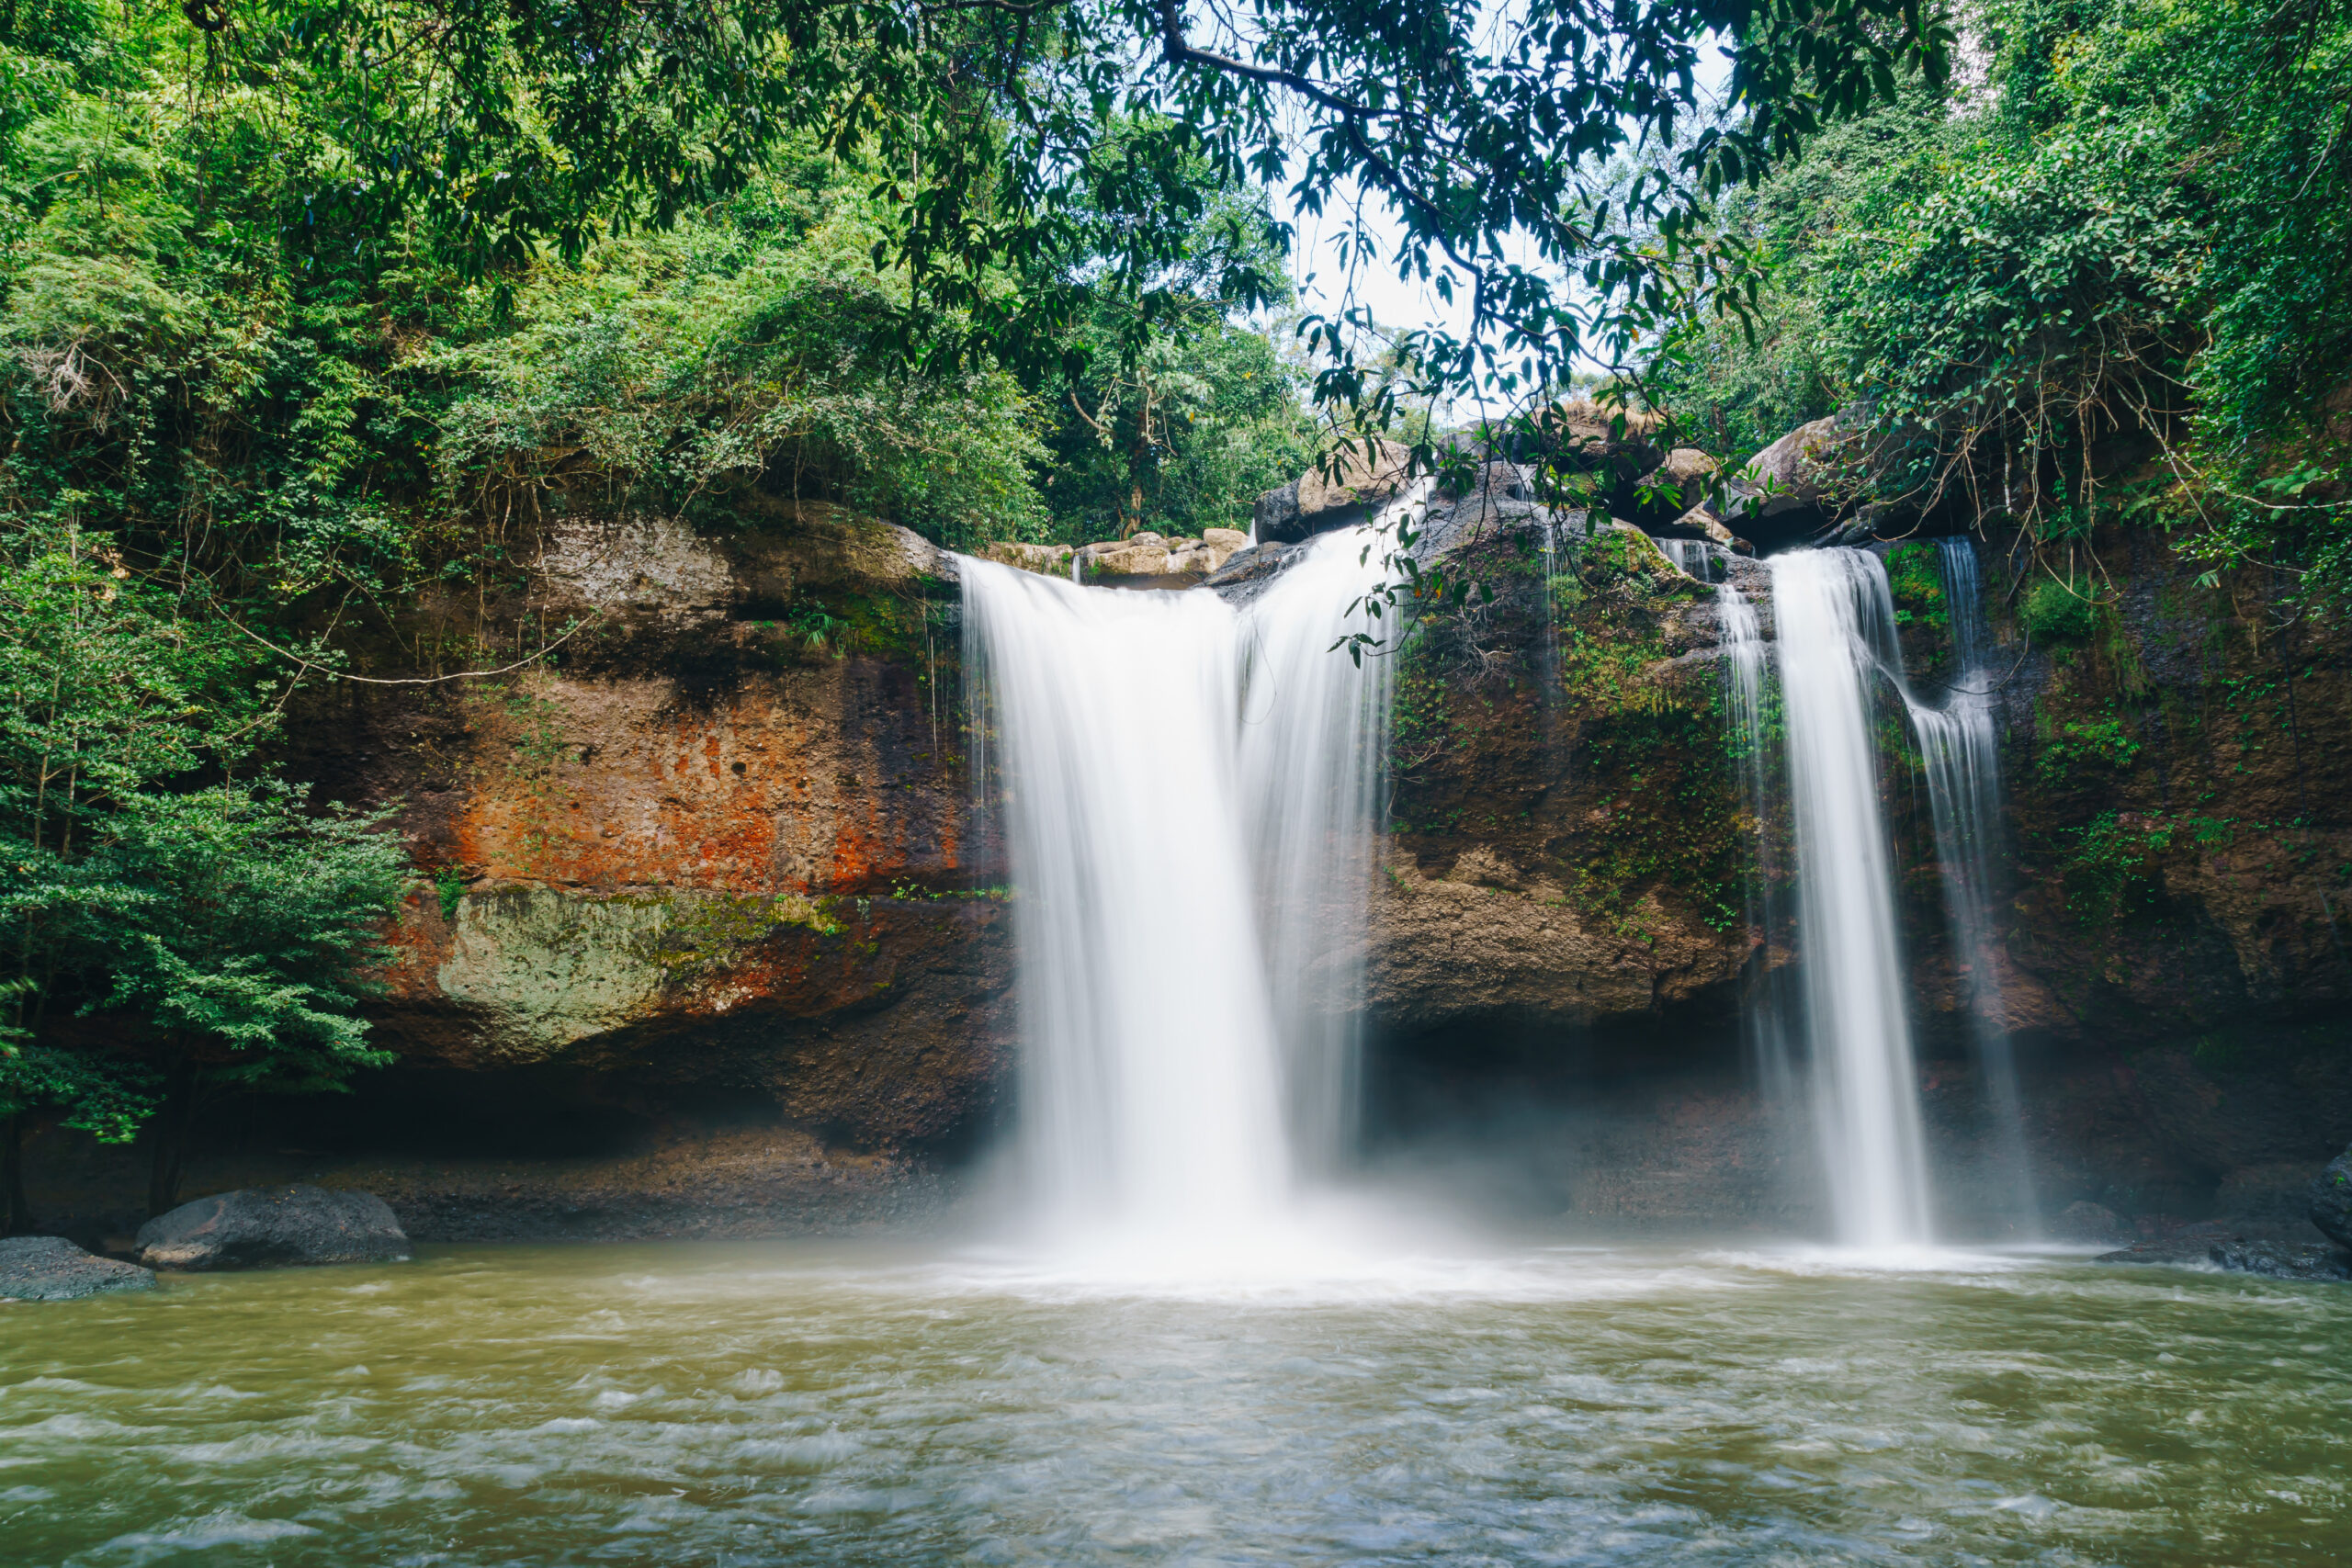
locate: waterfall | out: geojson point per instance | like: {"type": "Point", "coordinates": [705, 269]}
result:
{"type": "Point", "coordinates": [1694, 558]}
{"type": "Point", "coordinates": [1958, 752]}
{"type": "Point", "coordinates": [1188, 795]}
{"type": "Point", "coordinates": [1834, 620]}
{"type": "Point", "coordinates": [1314, 747]}
{"type": "Point", "coordinates": [1747, 664]}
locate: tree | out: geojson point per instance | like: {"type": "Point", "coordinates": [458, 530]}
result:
{"type": "Point", "coordinates": [105, 693]}
{"type": "Point", "coordinates": [248, 946]}
{"type": "Point", "coordinates": [234, 924]}
{"type": "Point", "coordinates": [1164, 408]}
{"type": "Point", "coordinates": [2109, 284]}
{"type": "Point", "coordinates": [505, 127]}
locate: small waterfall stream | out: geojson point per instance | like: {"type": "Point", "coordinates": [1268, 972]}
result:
{"type": "Point", "coordinates": [1765, 1010]}
{"type": "Point", "coordinates": [1188, 795]}
{"type": "Point", "coordinates": [1959, 753]}
{"type": "Point", "coordinates": [1834, 619]}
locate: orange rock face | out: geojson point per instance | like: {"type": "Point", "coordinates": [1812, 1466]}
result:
{"type": "Point", "coordinates": [713, 849]}
{"type": "Point", "coordinates": [813, 782]}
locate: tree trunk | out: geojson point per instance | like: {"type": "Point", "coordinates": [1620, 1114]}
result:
{"type": "Point", "coordinates": [16, 1212]}
{"type": "Point", "coordinates": [171, 1126]}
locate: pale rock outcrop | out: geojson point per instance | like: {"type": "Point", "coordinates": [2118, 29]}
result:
{"type": "Point", "coordinates": [1488, 940]}
{"type": "Point", "coordinates": [1315, 501]}
{"type": "Point", "coordinates": [1798, 489]}
{"type": "Point", "coordinates": [1685, 475]}
{"type": "Point", "coordinates": [1148, 559]}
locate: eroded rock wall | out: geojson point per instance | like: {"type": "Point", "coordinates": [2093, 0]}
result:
{"type": "Point", "coordinates": [721, 844]}
{"type": "Point", "coordinates": [716, 853]}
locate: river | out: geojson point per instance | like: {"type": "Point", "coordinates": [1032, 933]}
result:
{"type": "Point", "coordinates": [878, 1403]}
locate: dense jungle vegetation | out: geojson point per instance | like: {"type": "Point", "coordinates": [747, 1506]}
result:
{"type": "Point", "coordinates": [2105, 280]}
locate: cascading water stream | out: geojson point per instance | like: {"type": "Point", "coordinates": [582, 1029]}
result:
{"type": "Point", "coordinates": [1314, 747]}
{"type": "Point", "coordinates": [1834, 620]}
{"type": "Point", "coordinates": [1189, 798]}
{"type": "Point", "coordinates": [1958, 751]}
{"type": "Point", "coordinates": [1747, 666]}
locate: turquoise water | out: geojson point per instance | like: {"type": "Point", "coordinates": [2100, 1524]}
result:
{"type": "Point", "coordinates": [825, 1403]}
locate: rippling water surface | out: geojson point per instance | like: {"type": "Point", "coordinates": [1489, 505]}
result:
{"type": "Point", "coordinates": [800, 1404]}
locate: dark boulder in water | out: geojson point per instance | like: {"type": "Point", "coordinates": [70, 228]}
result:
{"type": "Point", "coordinates": [2331, 1208]}
{"type": "Point", "coordinates": [2215, 1244]}
{"type": "Point", "coordinates": [2278, 1261]}
{"type": "Point", "coordinates": [50, 1269]}
{"type": "Point", "coordinates": [273, 1227]}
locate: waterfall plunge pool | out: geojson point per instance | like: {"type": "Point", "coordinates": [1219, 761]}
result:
{"type": "Point", "coordinates": [873, 1403]}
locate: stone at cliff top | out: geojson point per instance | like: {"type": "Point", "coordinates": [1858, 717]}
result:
{"type": "Point", "coordinates": [2331, 1207]}
{"type": "Point", "coordinates": [1312, 503]}
{"type": "Point", "coordinates": [1036, 558]}
{"type": "Point", "coordinates": [1684, 473]}
{"type": "Point", "coordinates": [1151, 560]}
{"type": "Point", "coordinates": [50, 1269]}
{"type": "Point", "coordinates": [1790, 493]}
{"type": "Point", "coordinates": [270, 1228]}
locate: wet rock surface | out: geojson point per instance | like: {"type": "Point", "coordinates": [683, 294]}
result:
{"type": "Point", "coordinates": [2331, 1200]}
{"type": "Point", "coordinates": [273, 1227]}
{"type": "Point", "coordinates": [1316, 503]}
{"type": "Point", "coordinates": [2217, 1245]}
{"type": "Point", "coordinates": [50, 1269]}
{"type": "Point", "coordinates": [2278, 1261]}
{"type": "Point", "coordinates": [749, 1183]}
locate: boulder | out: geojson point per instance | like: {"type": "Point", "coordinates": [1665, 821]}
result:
{"type": "Point", "coordinates": [2277, 1260]}
{"type": "Point", "coordinates": [1582, 436]}
{"type": "Point", "coordinates": [1138, 557]}
{"type": "Point", "coordinates": [1313, 504]}
{"type": "Point", "coordinates": [1700, 519]}
{"type": "Point", "coordinates": [1152, 560]}
{"type": "Point", "coordinates": [1681, 481]}
{"type": "Point", "coordinates": [1796, 490]}
{"type": "Point", "coordinates": [270, 1228]}
{"type": "Point", "coordinates": [1249, 572]}
{"type": "Point", "coordinates": [1506, 482]}
{"type": "Point", "coordinates": [2331, 1200]}
{"type": "Point", "coordinates": [1052, 559]}
{"type": "Point", "coordinates": [50, 1269]}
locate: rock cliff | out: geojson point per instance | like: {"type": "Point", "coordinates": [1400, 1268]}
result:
{"type": "Point", "coordinates": [699, 902]}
